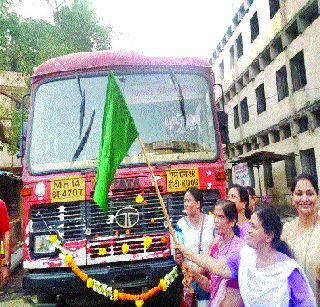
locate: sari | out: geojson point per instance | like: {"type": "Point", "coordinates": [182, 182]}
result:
{"type": "Point", "coordinates": [219, 284]}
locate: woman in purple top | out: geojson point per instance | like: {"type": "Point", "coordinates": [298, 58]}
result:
{"type": "Point", "coordinates": [267, 275]}
{"type": "Point", "coordinates": [240, 196]}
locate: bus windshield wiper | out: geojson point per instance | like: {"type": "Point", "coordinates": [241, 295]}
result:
{"type": "Point", "coordinates": [85, 138]}
{"type": "Point", "coordinates": [82, 105]}
{"type": "Point", "coordinates": [180, 96]}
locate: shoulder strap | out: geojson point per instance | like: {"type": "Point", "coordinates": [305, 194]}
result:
{"type": "Point", "coordinates": [200, 239]}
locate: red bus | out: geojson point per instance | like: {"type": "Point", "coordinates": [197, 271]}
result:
{"type": "Point", "coordinates": [172, 103]}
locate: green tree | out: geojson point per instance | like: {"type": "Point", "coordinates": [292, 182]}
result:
{"type": "Point", "coordinates": [26, 43]}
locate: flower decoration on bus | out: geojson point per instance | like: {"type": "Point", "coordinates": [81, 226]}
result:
{"type": "Point", "coordinates": [139, 199]}
{"type": "Point", "coordinates": [106, 290]}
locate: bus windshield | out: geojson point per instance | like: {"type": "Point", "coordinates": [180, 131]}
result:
{"type": "Point", "coordinates": [172, 111]}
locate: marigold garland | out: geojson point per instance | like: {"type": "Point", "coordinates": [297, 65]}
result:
{"type": "Point", "coordinates": [107, 291]}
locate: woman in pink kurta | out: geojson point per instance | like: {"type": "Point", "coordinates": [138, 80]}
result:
{"type": "Point", "coordinates": [223, 291]}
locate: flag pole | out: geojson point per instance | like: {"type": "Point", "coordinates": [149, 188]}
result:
{"type": "Point", "coordinates": [187, 279]}
{"type": "Point", "coordinates": [164, 209]}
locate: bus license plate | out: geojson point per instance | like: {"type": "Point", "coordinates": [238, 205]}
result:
{"type": "Point", "coordinates": [182, 179]}
{"type": "Point", "coordinates": [67, 189]}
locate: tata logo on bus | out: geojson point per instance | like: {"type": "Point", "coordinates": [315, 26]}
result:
{"type": "Point", "coordinates": [126, 184]}
{"type": "Point", "coordinates": [127, 217]}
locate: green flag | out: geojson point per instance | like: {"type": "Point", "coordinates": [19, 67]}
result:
{"type": "Point", "coordinates": [118, 133]}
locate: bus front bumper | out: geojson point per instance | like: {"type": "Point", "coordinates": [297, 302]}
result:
{"type": "Point", "coordinates": [126, 276]}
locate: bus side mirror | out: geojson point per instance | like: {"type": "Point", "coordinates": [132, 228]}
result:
{"type": "Point", "coordinates": [22, 143]}
{"type": "Point", "coordinates": [23, 131]}
{"type": "Point", "coordinates": [223, 126]}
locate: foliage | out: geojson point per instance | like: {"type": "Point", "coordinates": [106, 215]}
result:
{"type": "Point", "coordinates": [12, 116]}
{"type": "Point", "coordinates": [26, 43]}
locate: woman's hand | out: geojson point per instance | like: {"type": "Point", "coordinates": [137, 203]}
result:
{"type": "Point", "coordinates": [179, 254]}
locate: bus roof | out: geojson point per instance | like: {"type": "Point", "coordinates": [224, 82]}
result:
{"type": "Point", "coordinates": [105, 59]}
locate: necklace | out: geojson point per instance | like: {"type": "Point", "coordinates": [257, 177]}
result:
{"type": "Point", "coordinates": [197, 227]}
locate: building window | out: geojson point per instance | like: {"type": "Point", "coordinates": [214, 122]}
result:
{"type": "Point", "coordinates": [239, 44]}
{"type": "Point", "coordinates": [274, 7]}
{"type": "Point", "coordinates": [298, 71]}
{"type": "Point", "coordinates": [310, 13]}
{"type": "Point", "coordinates": [308, 162]}
{"type": "Point", "coordinates": [276, 136]}
{"type": "Point", "coordinates": [286, 131]}
{"type": "Point", "coordinates": [268, 177]}
{"type": "Point", "coordinates": [254, 26]}
{"type": "Point", "coordinates": [255, 144]}
{"type": "Point", "coordinates": [276, 47]}
{"type": "Point", "coordinates": [265, 140]}
{"type": "Point", "coordinates": [316, 115]}
{"type": "Point", "coordinates": [303, 124]}
{"type": "Point", "coordinates": [221, 70]}
{"type": "Point", "coordinates": [231, 51]}
{"type": "Point", "coordinates": [236, 120]}
{"type": "Point", "coordinates": [249, 147]}
{"type": "Point", "coordinates": [282, 83]}
{"type": "Point", "coordinates": [261, 99]}
{"type": "Point", "coordinates": [291, 171]}
{"type": "Point", "coordinates": [244, 110]}
{"type": "Point", "coordinates": [240, 150]}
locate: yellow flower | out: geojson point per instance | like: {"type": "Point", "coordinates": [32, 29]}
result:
{"type": "Point", "coordinates": [163, 285]}
{"type": "Point", "coordinates": [53, 238]}
{"type": "Point", "coordinates": [147, 242]}
{"type": "Point", "coordinates": [139, 199]}
{"type": "Point", "coordinates": [89, 283]}
{"type": "Point", "coordinates": [139, 303]}
{"type": "Point", "coordinates": [115, 295]}
{"type": "Point", "coordinates": [102, 251]}
{"type": "Point", "coordinates": [125, 248]}
{"type": "Point", "coordinates": [69, 259]}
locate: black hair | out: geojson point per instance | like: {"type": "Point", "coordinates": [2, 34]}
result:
{"type": "Point", "coordinates": [244, 197]}
{"type": "Point", "coordinates": [250, 190]}
{"type": "Point", "coordinates": [230, 211]}
{"type": "Point", "coordinates": [197, 195]}
{"type": "Point", "coordinates": [271, 223]}
{"type": "Point", "coordinates": [312, 179]}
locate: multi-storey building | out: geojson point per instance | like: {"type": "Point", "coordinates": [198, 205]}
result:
{"type": "Point", "coordinates": [268, 65]}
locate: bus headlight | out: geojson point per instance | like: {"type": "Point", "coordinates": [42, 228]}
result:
{"type": "Point", "coordinates": [42, 246]}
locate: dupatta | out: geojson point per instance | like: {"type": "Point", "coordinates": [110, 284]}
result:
{"type": "Point", "coordinates": [219, 284]}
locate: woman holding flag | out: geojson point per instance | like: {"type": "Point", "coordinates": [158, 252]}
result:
{"type": "Point", "coordinates": [196, 231]}
{"type": "Point", "coordinates": [267, 275]}
{"type": "Point", "coordinates": [223, 291]}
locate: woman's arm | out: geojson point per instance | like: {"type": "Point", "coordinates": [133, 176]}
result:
{"type": "Point", "coordinates": [216, 266]}
{"type": "Point", "coordinates": [300, 292]}
{"type": "Point", "coordinates": [203, 281]}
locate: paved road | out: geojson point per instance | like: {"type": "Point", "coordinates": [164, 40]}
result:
{"type": "Point", "coordinates": [12, 294]}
